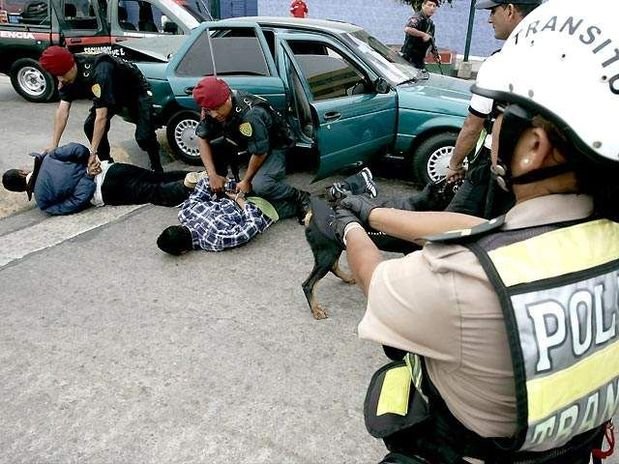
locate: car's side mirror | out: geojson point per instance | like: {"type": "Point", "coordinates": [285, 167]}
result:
{"type": "Point", "coordinates": [382, 86]}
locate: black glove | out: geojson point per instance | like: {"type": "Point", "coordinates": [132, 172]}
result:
{"type": "Point", "coordinates": [361, 205]}
{"type": "Point", "coordinates": [341, 218]}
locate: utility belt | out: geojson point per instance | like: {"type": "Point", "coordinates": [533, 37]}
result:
{"type": "Point", "coordinates": [403, 408]}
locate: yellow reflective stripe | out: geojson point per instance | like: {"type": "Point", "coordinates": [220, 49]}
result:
{"type": "Point", "coordinates": [590, 244]}
{"type": "Point", "coordinates": [550, 394]}
{"type": "Point", "coordinates": [394, 392]}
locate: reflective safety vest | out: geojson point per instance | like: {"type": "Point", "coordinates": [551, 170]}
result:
{"type": "Point", "coordinates": [559, 290]}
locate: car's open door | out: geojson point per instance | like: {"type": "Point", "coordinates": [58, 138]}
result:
{"type": "Point", "coordinates": [352, 110]}
{"type": "Point", "coordinates": [237, 53]}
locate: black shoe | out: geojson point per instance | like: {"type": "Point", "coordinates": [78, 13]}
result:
{"type": "Point", "coordinates": [157, 169]}
{"type": "Point", "coordinates": [303, 204]}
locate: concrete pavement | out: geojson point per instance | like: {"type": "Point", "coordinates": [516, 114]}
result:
{"type": "Point", "coordinates": [115, 353]}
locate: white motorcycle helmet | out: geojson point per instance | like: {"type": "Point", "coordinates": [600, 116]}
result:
{"type": "Point", "coordinates": [562, 62]}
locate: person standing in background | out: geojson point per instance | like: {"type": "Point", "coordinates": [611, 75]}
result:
{"type": "Point", "coordinates": [298, 9]}
{"type": "Point", "coordinates": [419, 32]}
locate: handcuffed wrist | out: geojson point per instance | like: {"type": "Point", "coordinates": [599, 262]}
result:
{"type": "Point", "coordinates": [350, 226]}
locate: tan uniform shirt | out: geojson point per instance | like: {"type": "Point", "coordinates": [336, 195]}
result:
{"type": "Point", "coordinates": [438, 303]}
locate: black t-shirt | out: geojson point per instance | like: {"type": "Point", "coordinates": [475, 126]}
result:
{"type": "Point", "coordinates": [102, 80]}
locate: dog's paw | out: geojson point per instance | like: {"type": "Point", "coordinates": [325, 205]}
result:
{"type": "Point", "coordinates": [319, 312]}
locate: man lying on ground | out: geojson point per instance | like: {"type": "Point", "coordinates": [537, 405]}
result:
{"type": "Point", "coordinates": [216, 221]}
{"type": "Point", "coordinates": [67, 180]}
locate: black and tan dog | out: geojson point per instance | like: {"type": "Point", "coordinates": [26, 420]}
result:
{"type": "Point", "coordinates": [327, 249]}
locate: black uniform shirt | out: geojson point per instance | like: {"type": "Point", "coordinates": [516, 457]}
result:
{"type": "Point", "coordinates": [248, 127]}
{"type": "Point", "coordinates": [103, 81]}
{"type": "Point", "coordinates": [422, 23]}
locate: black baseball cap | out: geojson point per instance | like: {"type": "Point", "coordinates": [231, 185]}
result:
{"type": "Point", "coordinates": [487, 4]}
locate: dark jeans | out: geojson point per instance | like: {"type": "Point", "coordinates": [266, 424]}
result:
{"type": "Point", "coordinates": [472, 194]}
{"type": "Point", "coordinates": [269, 183]}
{"type": "Point", "coordinates": [479, 195]}
{"type": "Point", "coordinates": [125, 184]}
{"type": "Point", "coordinates": [140, 110]}
{"type": "Point", "coordinates": [416, 59]}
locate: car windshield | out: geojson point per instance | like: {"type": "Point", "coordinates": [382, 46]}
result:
{"type": "Point", "coordinates": [197, 8]}
{"type": "Point", "coordinates": [384, 60]}
{"type": "Point", "coordinates": [183, 15]}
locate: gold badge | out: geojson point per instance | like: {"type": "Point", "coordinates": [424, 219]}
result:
{"type": "Point", "coordinates": [96, 90]}
{"type": "Point", "coordinates": [246, 129]}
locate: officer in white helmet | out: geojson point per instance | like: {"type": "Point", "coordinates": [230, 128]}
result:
{"type": "Point", "coordinates": [514, 323]}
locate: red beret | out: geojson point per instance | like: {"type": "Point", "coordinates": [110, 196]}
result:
{"type": "Point", "coordinates": [57, 60]}
{"type": "Point", "coordinates": [211, 92]}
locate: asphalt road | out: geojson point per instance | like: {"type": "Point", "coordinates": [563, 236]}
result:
{"type": "Point", "coordinates": [113, 352]}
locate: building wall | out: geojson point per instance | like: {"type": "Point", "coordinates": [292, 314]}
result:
{"type": "Point", "coordinates": [235, 8]}
{"type": "Point", "coordinates": [385, 19]}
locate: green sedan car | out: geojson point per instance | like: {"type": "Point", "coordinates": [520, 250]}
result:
{"type": "Point", "coordinates": [349, 98]}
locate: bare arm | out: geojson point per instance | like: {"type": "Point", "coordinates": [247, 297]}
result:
{"type": "Point", "coordinates": [60, 121]}
{"type": "Point", "coordinates": [417, 33]}
{"type": "Point", "coordinates": [413, 225]}
{"type": "Point", "coordinates": [215, 180]}
{"type": "Point", "coordinates": [255, 161]}
{"type": "Point", "coordinates": [99, 130]}
{"type": "Point", "coordinates": [362, 256]}
{"type": "Point", "coordinates": [465, 143]}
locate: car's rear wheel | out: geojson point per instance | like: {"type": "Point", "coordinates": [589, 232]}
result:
{"type": "Point", "coordinates": [431, 158]}
{"type": "Point", "coordinates": [181, 133]}
{"type": "Point", "coordinates": [32, 82]}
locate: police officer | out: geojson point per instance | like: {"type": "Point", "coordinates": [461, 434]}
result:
{"type": "Point", "coordinates": [513, 322]}
{"type": "Point", "coordinates": [419, 32]}
{"type": "Point", "coordinates": [244, 123]}
{"type": "Point", "coordinates": [474, 196]}
{"type": "Point", "coordinates": [112, 84]}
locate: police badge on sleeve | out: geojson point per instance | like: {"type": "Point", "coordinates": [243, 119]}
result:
{"type": "Point", "coordinates": [246, 129]}
{"type": "Point", "coordinates": [96, 90]}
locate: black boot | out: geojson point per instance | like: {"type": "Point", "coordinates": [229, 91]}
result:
{"type": "Point", "coordinates": [302, 200]}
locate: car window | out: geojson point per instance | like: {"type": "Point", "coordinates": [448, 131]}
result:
{"type": "Point", "coordinates": [301, 115]}
{"type": "Point", "coordinates": [386, 61]}
{"type": "Point", "coordinates": [141, 16]}
{"type": "Point", "coordinates": [328, 73]}
{"type": "Point", "coordinates": [239, 52]}
{"type": "Point", "coordinates": [80, 14]}
{"type": "Point", "coordinates": [32, 12]}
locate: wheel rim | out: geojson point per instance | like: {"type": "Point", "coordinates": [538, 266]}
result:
{"type": "Point", "coordinates": [31, 81]}
{"type": "Point", "coordinates": [439, 162]}
{"type": "Point", "coordinates": [185, 137]}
